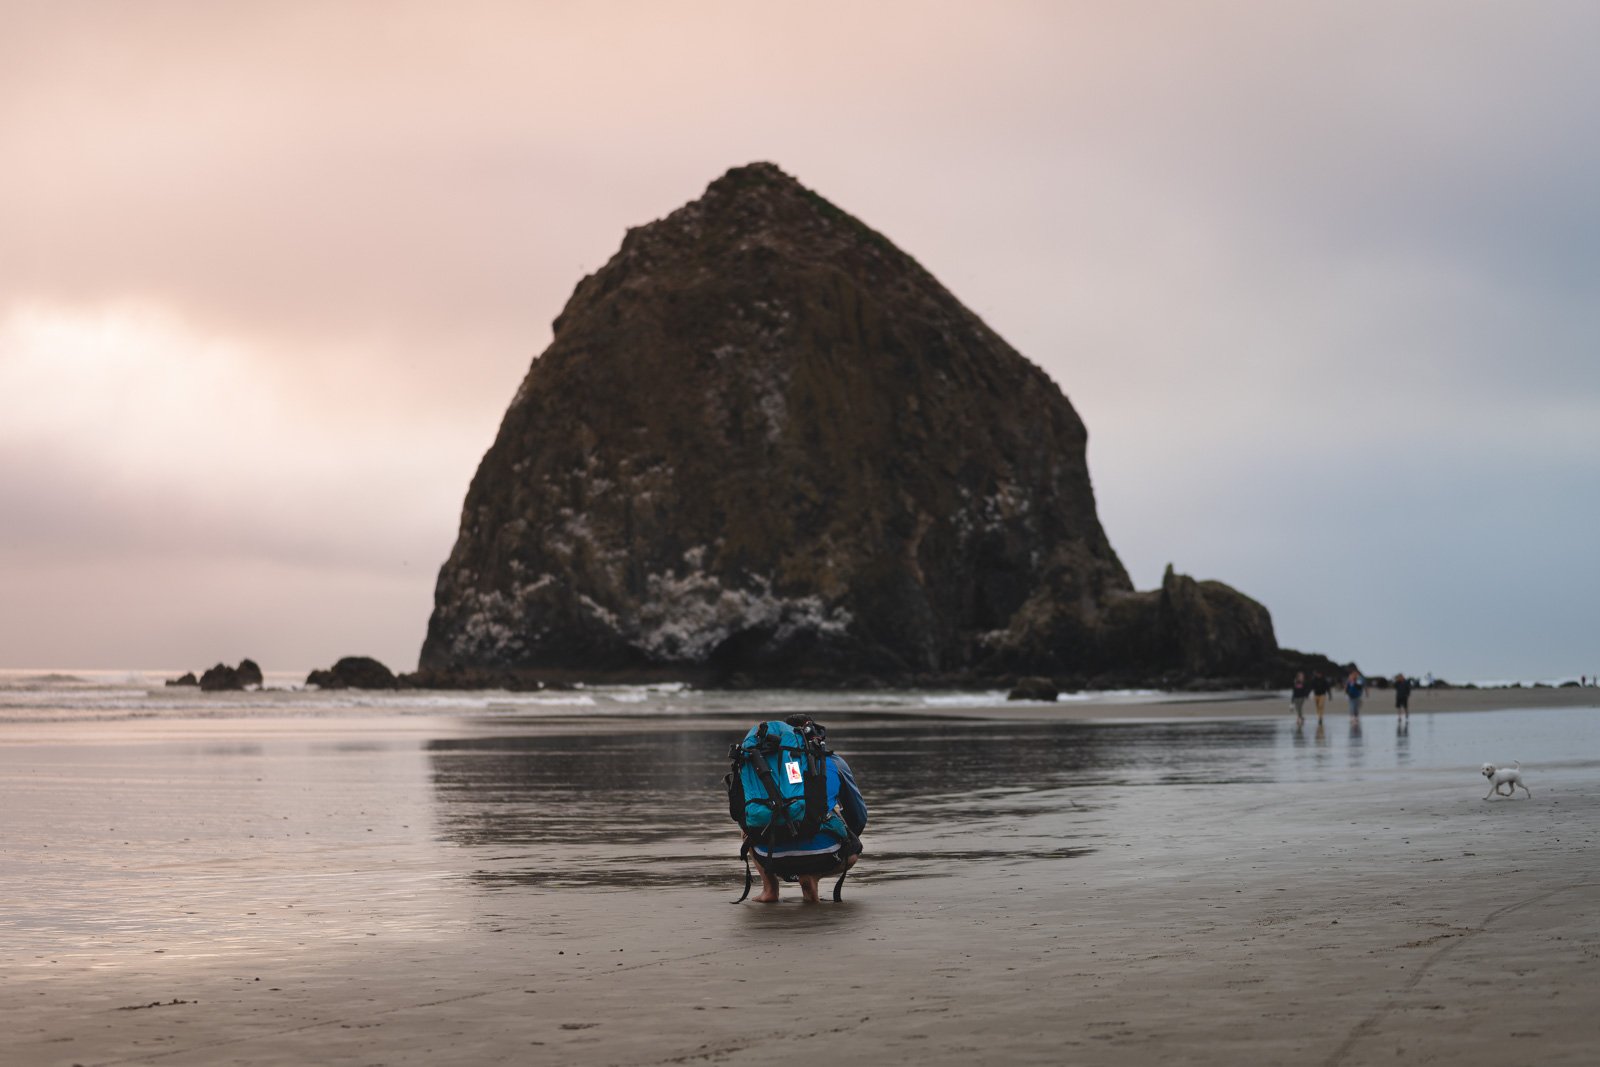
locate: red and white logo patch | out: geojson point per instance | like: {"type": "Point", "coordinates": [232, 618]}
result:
{"type": "Point", "coordinates": [793, 771]}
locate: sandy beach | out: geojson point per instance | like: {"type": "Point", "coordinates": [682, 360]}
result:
{"type": "Point", "coordinates": [1211, 888]}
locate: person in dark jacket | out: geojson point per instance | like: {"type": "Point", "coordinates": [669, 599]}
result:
{"type": "Point", "coordinates": [1319, 692]}
{"type": "Point", "coordinates": [1402, 695]}
{"type": "Point", "coordinates": [1297, 696]}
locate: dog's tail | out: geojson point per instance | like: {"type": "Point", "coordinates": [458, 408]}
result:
{"type": "Point", "coordinates": [1518, 763]}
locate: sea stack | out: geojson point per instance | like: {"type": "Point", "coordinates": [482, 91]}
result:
{"type": "Point", "coordinates": [765, 444]}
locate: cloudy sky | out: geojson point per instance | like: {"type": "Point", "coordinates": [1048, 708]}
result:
{"type": "Point", "coordinates": [1322, 279]}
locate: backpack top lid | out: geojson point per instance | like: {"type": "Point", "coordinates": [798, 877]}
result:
{"type": "Point", "coordinates": [770, 737]}
{"type": "Point", "coordinates": [795, 733]}
{"type": "Point", "coordinates": [808, 727]}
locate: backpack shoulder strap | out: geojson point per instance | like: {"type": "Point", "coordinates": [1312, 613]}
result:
{"type": "Point", "coordinates": [744, 854]}
{"type": "Point", "coordinates": [774, 798]}
{"type": "Point", "coordinates": [816, 783]}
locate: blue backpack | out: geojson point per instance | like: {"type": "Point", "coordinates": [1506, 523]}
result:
{"type": "Point", "coordinates": [778, 794]}
{"type": "Point", "coordinates": [778, 782]}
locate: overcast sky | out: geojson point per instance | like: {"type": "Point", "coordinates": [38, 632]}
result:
{"type": "Point", "coordinates": [1322, 279]}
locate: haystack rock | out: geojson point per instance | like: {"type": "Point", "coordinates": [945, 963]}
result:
{"type": "Point", "coordinates": [765, 443]}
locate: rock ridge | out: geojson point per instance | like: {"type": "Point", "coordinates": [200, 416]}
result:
{"type": "Point", "coordinates": [765, 443]}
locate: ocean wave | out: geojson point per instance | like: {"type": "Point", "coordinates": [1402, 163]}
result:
{"type": "Point", "coordinates": [108, 695]}
{"type": "Point", "coordinates": [964, 700]}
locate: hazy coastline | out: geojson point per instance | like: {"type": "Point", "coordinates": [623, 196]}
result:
{"type": "Point", "coordinates": [38, 697]}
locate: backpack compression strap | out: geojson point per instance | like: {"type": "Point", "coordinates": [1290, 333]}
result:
{"type": "Point", "coordinates": [744, 854]}
{"type": "Point", "coordinates": [815, 759]}
{"type": "Point", "coordinates": [774, 798]}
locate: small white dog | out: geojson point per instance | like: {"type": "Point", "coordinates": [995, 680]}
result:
{"type": "Point", "coordinates": [1510, 777]}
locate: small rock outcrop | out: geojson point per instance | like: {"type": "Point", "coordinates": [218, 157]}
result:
{"type": "Point", "coordinates": [219, 678]}
{"type": "Point", "coordinates": [766, 445]}
{"type": "Point", "coordinates": [1034, 689]}
{"type": "Point", "coordinates": [187, 678]}
{"type": "Point", "coordinates": [249, 673]}
{"type": "Point", "coordinates": [354, 672]}
{"type": "Point", "coordinates": [223, 677]}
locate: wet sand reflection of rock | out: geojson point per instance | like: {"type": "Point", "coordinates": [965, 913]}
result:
{"type": "Point", "coordinates": [644, 809]}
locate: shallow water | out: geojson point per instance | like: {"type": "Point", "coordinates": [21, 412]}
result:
{"type": "Point", "coordinates": [627, 810]}
{"type": "Point", "coordinates": [241, 838]}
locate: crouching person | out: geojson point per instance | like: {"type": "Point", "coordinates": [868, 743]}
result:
{"type": "Point", "coordinates": [799, 806]}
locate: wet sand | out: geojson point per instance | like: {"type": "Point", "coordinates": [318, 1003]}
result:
{"type": "Point", "coordinates": [366, 891]}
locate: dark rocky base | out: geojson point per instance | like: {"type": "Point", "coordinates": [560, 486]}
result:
{"type": "Point", "coordinates": [1268, 677]}
{"type": "Point", "coordinates": [1311, 663]}
{"type": "Point", "coordinates": [1034, 689]}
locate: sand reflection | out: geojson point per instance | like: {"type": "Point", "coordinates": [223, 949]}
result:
{"type": "Point", "coordinates": [641, 809]}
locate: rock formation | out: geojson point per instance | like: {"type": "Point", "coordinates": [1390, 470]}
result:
{"type": "Point", "coordinates": [766, 443]}
{"type": "Point", "coordinates": [249, 673]}
{"type": "Point", "coordinates": [354, 672]}
{"type": "Point", "coordinates": [219, 678]}
{"type": "Point", "coordinates": [223, 677]}
{"type": "Point", "coordinates": [1034, 689]}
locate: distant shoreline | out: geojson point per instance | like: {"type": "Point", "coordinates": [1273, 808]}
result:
{"type": "Point", "coordinates": [1378, 704]}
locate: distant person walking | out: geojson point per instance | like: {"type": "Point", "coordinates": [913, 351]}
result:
{"type": "Point", "coordinates": [1297, 696]}
{"type": "Point", "coordinates": [1355, 689]}
{"type": "Point", "coordinates": [1319, 691]}
{"type": "Point", "coordinates": [1402, 696]}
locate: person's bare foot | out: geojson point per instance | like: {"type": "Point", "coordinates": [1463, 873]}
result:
{"type": "Point", "coordinates": [769, 887]}
{"type": "Point", "coordinates": [808, 889]}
